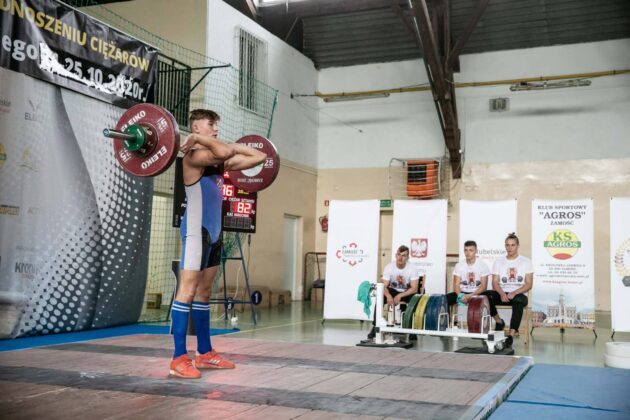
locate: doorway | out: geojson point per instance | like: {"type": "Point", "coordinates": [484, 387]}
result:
{"type": "Point", "coordinates": [291, 256]}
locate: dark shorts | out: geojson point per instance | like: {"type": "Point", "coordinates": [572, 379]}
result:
{"type": "Point", "coordinates": [202, 252]}
{"type": "Point", "coordinates": [214, 256]}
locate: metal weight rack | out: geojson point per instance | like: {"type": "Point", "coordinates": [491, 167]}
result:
{"type": "Point", "coordinates": [494, 340]}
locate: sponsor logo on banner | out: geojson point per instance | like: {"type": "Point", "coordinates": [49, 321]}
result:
{"type": "Point", "coordinates": [351, 254]}
{"type": "Point", "coordinates": [622, 262]}
{"type": "Point", "coordinates": [26, 270]}
{"type": "Point", "coordinates": [492, 252]}
{"type": "Point", "coordinates": [33, 110]}
{"type": "Point", "coordinates": [562, 244]}
{"type": "Point", "coordinates": [3, 155]}
{"type": "Point", "coordinates": [23, 266]}
{"type": "Point", "coordinates": [27, 160]}
{"type": "Point", "coordinates": [419, 247]}
{"type": "Point", "coordinates": [9, 210]}
{"type": "Point", "coordinates": [5, 106]}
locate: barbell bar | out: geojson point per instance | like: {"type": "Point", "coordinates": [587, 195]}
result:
{"type": "Point", "coordinates": [147, 143]}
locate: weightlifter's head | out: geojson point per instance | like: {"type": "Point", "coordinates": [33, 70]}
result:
{"type": "Point", "coordinates": [470, 251]}
{"type": "Point", "coordinates": [205, 122]}
{"type": "Point", "coordinates": [402, 255]}
{"type": "Point", "coordinates": [511, 245]}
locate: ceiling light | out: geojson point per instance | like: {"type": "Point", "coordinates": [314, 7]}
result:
{"type": "Point", "coordinates": [549, 85]}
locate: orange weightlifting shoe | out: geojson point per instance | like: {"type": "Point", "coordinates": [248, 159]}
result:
{"type": "Point", "coordinates": [182, 367]}
{"type": "Point", "coordinates": [212, 360]}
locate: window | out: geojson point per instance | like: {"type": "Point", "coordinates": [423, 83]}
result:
{"type": "Point", "coordinates": [172, 89]}
{"type": "Point", "coordinates": [252, 60]}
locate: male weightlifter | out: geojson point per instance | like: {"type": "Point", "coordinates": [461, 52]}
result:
{"type": "Point", "coordinates": [205, 161]}
{"type": "Point", "coordinates": [401, 281]}
{"type": "Point", "coordinates": [512, 278]}
{"type": "Point", "coordinates": [470, 277]}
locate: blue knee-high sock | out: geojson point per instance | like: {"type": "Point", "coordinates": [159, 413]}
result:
{"type": "Point", "coordinates": [201, 318]}
{"type": "Point", "coordinates": [179, 315]}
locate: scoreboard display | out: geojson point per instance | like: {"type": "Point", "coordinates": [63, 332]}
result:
{"type": "Point", "coordinates": [239, 208]}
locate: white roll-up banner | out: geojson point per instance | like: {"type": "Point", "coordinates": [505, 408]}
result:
{"type": "Point", "coordinates": [74, 227]}
{"type": "Point", "coordinates": [421, 226]}
{"type": "Point", "coordinates": [487, 223]}
{"type": "Point", "coordinates": [563, 294]}
{"type": "Point", "coordinates": [351, 256]}
{"type": "Point", "coordinates": [620, 263]}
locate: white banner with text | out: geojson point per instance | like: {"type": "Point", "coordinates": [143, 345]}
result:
{"type": "Point", "coordinates": [351, 256]}
{"type": "Point", "coordinates": [563, 258]}
{"type": "Point", "coordinates": [421, 226]}
{"type": "Point", "coordinates": [487, 223]}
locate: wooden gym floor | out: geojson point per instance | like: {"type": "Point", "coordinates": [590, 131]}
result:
{"type": "Point", "coordinates": [127, 377]}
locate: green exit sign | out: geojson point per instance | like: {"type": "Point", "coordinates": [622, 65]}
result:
{"type": "Point", "coordinates": [386, 204]}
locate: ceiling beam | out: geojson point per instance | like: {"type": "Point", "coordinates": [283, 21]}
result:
{"type": "Point", "coordinates": [453, 56]}
{"type": "Point", "coordinates": [404, 18]}
{"type": "Point", "coordinates": [437, 72]}
{"type": "Point", "coordinates": [251, 9]}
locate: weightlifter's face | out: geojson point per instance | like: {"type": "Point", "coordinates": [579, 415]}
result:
{"type": "Point", "coordinates": [470, 252]}
{"type": "Point", "coordinates": [401, 258]}
{"type": "Point", "coordinates": [511, 247]}
{"type": "Point", "coordinates": [205, 127]}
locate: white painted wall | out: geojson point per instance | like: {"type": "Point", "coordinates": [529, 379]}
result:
{"type": "Point", "coordinates": [294, 129]}
{"type": "Point", "coordinates": [368, 133]}
{"type": "Point", "coordinates": [561, 124]}
{"type": "Point", "coordinates": [564, 124]}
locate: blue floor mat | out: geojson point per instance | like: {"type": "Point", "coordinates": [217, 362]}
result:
{"type": "Point", "coordinates": [569, 392]}
{"type": "Point", "coordinates": [52, 339]}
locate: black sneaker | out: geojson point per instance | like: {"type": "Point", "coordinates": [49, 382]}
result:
{"type": "Point", "coordinates": [371, 334]}
{"type": "Point", "coordinates": [508, 341]}
{"type": "Point", "coordinates": [499, 325]}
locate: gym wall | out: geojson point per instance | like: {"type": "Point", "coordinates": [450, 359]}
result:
{"type": "Point", "coordinates": [556, 144]}
{"type": "Point", "coordinates": [294, 128]}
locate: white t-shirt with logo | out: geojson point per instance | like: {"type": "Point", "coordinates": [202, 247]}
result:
{"type": "Point", "coordinates": [470, 275]}
{"type": "Point", "coordinates": [400, 278]}
{"type": "Point", "coordinates": [512, 272]}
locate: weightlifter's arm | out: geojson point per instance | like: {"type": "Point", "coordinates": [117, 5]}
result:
{"type": "Point", "coordinates": [244, 157]}
{"type": "Point", "coordinates": [413, 289]}
{"type": "Point", "coordinates": [211, 152]}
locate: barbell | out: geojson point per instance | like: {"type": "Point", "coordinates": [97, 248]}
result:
{"type": "Point", "coordinates": [147, 142]}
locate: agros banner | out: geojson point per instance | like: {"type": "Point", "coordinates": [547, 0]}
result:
{"type": "Point", "coordinates": [48, 40]}
{"type": "Point", "coordinates": [563, 258]}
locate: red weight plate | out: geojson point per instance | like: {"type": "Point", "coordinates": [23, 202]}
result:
{"type": "Point", "coordinates": [163, 140]}
{"type": "Point", "coordinates": [261, 176]}
{"type": "Point", "coordinates": [478, 307]}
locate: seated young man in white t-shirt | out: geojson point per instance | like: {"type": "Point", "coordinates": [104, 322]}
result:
{"type": "Point", "coordinates": [512, 277]}
{"type": "Point", "coordinates": [470, 277]}
{"type": "Point", "coordinates": [401, 280]}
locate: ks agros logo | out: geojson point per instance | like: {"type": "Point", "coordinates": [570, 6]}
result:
{"type": "Point", "coordinates": [562, 244]}
{"type": "Point", "coordinates": [351, 254]}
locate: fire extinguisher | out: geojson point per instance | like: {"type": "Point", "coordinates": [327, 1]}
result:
{"type": "Point", "coordinates": [323, 221]}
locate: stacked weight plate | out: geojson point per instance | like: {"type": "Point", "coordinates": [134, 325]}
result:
{"type": "Point", "coordinates": [407, 318]}
{"type": "Point", "coordinates": [436, 305]}
{"type": "Point", "coordinates": [478, 307]}
{"type": "Point", "coordinates": [418, 315]}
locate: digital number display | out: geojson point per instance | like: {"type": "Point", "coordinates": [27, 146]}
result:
{"type": "Point", "coordinates": [228, 190]}
{"type": "Point", "coordinates": [239, 209]}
